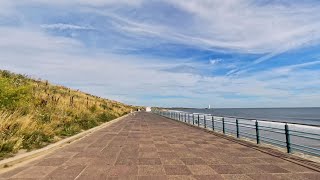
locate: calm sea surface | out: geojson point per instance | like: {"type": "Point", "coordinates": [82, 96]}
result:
{"type": "Point", "coordinates": [292, 115]}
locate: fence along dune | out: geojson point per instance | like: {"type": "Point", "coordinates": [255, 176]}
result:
{"type": "Point", "coordinates": [35, 113]}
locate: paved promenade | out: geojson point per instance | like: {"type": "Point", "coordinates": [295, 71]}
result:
{"type": "Point", "coordinates": [147, 146]}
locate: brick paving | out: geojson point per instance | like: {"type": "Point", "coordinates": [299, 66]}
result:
{"type": "Point", "coordinates": [147, 146]}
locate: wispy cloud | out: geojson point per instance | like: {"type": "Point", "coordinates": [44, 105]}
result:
{"type": "Point", "coordinates": [62, 26]}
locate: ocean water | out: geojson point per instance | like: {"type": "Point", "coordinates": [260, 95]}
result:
{"type": "Point", "coordinates": [308, 116]}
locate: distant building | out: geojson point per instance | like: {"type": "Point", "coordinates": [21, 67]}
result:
{"type": "Point", "coordinates": [148, 109]}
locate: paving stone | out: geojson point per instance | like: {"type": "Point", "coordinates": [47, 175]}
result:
{"type": "Point", "coordinates": [123, 170]}
{"type": "Point", "coordinates": [62, 154]}
{"type": "Point", "coordinates": [94, 172]}
{"type": "Point", "coordinates": [124, 177]}
{"type": "Point", "coordinates": [201, 170]}
{"type": "Point", "coordinates": [271, 169]}
{"type": "Point", "coordinates": [148, 155]}
{"type": "Point", "coordinates": [181, 177]}
{"type": "Point", "coordinates": [66, 172]}
{"type": "Point", "coordinates": [193, 161]}
{"type": "Point", "coordinates": [168, 155]}
{"type": "Point", "coordinates": [153, 177]}
{"type": "Point", "coordinates": [149, 161]}
{"type": "Point", "coordinates": [11, 173]}
{"type": "Point", "coordinates": [208, 177]}
{"type": "Point", "coordinates": [295, 168]}
{"type": "Point", "coordinates": [177, 170]}
{"type": "Point", "coordinates": [35, 172]}
{"type": "Point", "coordinates": [127, 161]}
{"type": "Point", "coordinates": [171, 161]}
{"type": "Point", "coordinates": [226, 169]}
{"type": "Point", "coordinates": [83, 161]}
{"type": "Point", "coordinates": [148, 170]}
{"type": "Point", "coordinates": [236, 177]}
{"type": "Point", "coordinates": [214, 161]}
{"type": "Point", "coordinates": [52, 162]}
{"type": "Point", "coordinates": [263, 176]}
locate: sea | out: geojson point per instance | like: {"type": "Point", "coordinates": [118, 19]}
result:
{"type": "Point", "coordinates": [307, 116]}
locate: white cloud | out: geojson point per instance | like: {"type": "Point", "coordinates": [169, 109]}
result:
{"type": "Point", "coordinates": [23, 39]}
{"type": "Point", "coordinates": [215, 61]}
{"type": "Point", "coordinates": [79, 2]}
{"type": "Point", "coordinates": [63, 26]}
{"type": "Point", "coordinates": [289, 69]}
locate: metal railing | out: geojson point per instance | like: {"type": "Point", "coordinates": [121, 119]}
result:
{"type": "Point", "coordinates": [293, 137]}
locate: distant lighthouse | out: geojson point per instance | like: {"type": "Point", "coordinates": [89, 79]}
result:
{"type": "Point", "coordinates": [209, 106]}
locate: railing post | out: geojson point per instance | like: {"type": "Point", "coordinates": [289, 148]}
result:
{"type": "Point", "coordinates": [286, 128]}
{"type": "Point", "coordinates": [185, 117]}
{"type": "Point", "coordinates": [192, 119]}
{"type": "Point", "coordinates": [198, 120]}
{"type": "Point", "coordinates": [257, 132]}
{"type": "Point", "coordinates": [223, 127]}
{"type": "Point", "coordinates": [204, 120]}
{"type": "Point", "coordinates": [212, 123]}
{"type": "Point", "coordinates": [179, 116]}
{"type": "Point", "coordinates": [237, 126]}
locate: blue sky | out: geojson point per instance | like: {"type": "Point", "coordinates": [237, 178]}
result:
{"type": "Point", "coordinates": [191, 53]}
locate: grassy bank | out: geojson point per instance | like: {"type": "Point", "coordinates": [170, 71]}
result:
{"type": "Point", "coordinates": [34, 113]}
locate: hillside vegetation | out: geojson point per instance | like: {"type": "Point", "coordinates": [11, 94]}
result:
{"type": "Point", "coordinates": [34, 113]}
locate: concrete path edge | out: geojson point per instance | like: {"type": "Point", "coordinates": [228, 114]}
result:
{"type": "Point", "coordinates": [13, 162]}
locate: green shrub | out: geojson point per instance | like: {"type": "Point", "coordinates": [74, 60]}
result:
{"type": "Point", "coordinates": [69, 129]}
{"type": "Point", "coordinates": [86, 121]}
{"type": "Point", "coordinates": [93, 108]}
{"type": "Point", "coordinates": [13, 95]}
{"type": "Point", "coordinates": [105, 117]}
{"type": "Point", "coordinates": [35, 139]}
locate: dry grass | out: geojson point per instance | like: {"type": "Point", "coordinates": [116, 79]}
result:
{"type": "Point", "coordinates": [34, 113]}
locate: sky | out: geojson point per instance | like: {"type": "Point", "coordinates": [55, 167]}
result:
{"type": "Point", "coordinates": [186, 53]}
